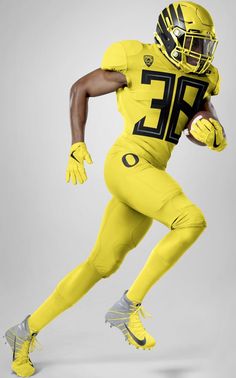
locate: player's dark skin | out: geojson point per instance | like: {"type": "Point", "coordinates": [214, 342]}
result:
{"type": "Point", "coordinates": [97, 83]}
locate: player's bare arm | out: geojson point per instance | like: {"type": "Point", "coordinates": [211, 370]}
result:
{"type": "Point", "coordinates": [208, 106]}
{"type": "Point", "coordinates": [95, 83]}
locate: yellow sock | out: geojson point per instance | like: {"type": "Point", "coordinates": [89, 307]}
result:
{"type": "Point", "coordinates": [67, 292]}
{"type": "Point", "coordinates": [163, 256]}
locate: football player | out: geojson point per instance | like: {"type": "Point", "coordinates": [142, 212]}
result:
{"type": "Point", "coordinates": [159, 87]}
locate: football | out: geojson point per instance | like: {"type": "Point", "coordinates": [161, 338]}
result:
{"type": "Point", "coordinates": [201, 114]}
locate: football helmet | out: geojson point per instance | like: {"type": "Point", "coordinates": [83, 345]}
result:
{"type": "Point", "coordinates": [186, 35]}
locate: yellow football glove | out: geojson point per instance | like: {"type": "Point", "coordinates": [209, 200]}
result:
{"type": "Point", "coordinates": [75, 169]}
{"type": "Point", "coordinates": [209, 132]}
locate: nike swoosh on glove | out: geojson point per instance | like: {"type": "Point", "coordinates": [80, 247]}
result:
{"type": "Point", "coordinates": [75, 169]}
{"type": "Point", "coordinates": [220, 140]}
{"type": "Point", "coordinates": [209, 132]}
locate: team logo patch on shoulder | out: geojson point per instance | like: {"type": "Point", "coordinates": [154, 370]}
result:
{"type": "Point", "coordinates": [148, 60]}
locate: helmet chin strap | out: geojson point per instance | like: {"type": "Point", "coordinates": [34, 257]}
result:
{"type": "Point", "coordinates": [187, 67]}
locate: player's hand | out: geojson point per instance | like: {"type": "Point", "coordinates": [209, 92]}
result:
{"type": "Point", "coordinates": [220, 142]}
{"type": "Point", "coordinates": [75, 170]}
{"type": "Point", "coordinates": [209, 132]}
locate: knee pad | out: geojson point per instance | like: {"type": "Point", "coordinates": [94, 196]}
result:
{"type": "Point", "coordinates": [181, 212]}
{"type": "Point", "coordinates": [107, 263]}
{"type": "Point", "coordinates": [190, 216]}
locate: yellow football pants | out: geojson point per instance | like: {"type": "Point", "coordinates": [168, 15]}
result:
{"type": "Point", "coordinates": [141, 193]}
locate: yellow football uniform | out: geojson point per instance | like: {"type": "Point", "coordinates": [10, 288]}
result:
{"type": "Point", "coordinates": [156, 104]}
{"type": "Point", "coordinates": [167, 82]}
{"type": "Point", "coordinates": [158, 100]}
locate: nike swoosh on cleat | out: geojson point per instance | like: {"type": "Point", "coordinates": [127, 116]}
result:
{"type": "Point", "coordinates": [138, 341]}
{"type": "Point", "coordinates": [72, 155]}
{"type": "Point", "coordinates": [215, 144]}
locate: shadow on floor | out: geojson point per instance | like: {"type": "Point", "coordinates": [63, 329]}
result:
{"type": "Point", "coordinates": [173, 372]}
{"type": "Point", "coordinates": [160, 369]}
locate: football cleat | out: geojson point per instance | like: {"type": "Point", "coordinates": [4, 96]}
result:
{"type": "Point", "coordinates": [22, 342]}
{"type": "Point", "coordinates": [125, 315]}
{"type": "Point", "coordinates": [186, 35]}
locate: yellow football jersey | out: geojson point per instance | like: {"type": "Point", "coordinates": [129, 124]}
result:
{"type": "Point", "coordinates": [158, 100]}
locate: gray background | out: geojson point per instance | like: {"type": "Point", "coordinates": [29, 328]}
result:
{"type": "Point", "coordinates": [48, 226]}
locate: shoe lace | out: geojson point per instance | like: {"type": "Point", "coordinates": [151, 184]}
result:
{"type": "Point", "coordinates": [34, 344]}
{"type": "Point", "coordinates": [136, 321]}
{"type": "Point", "coordinates": [27, 347]}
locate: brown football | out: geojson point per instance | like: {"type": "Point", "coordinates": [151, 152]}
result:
{"type": "Point", "coordinates": [202, 114]}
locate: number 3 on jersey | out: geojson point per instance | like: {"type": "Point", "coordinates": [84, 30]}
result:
{"type": "Point", "coordinates": [166, 120]}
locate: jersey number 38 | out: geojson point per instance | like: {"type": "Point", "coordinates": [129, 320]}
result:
{"type": "Point", "coordinates": [167, 120]}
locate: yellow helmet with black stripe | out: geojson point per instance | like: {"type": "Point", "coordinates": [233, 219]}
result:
{"type": "Point", "coordinates": [186, 35]}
